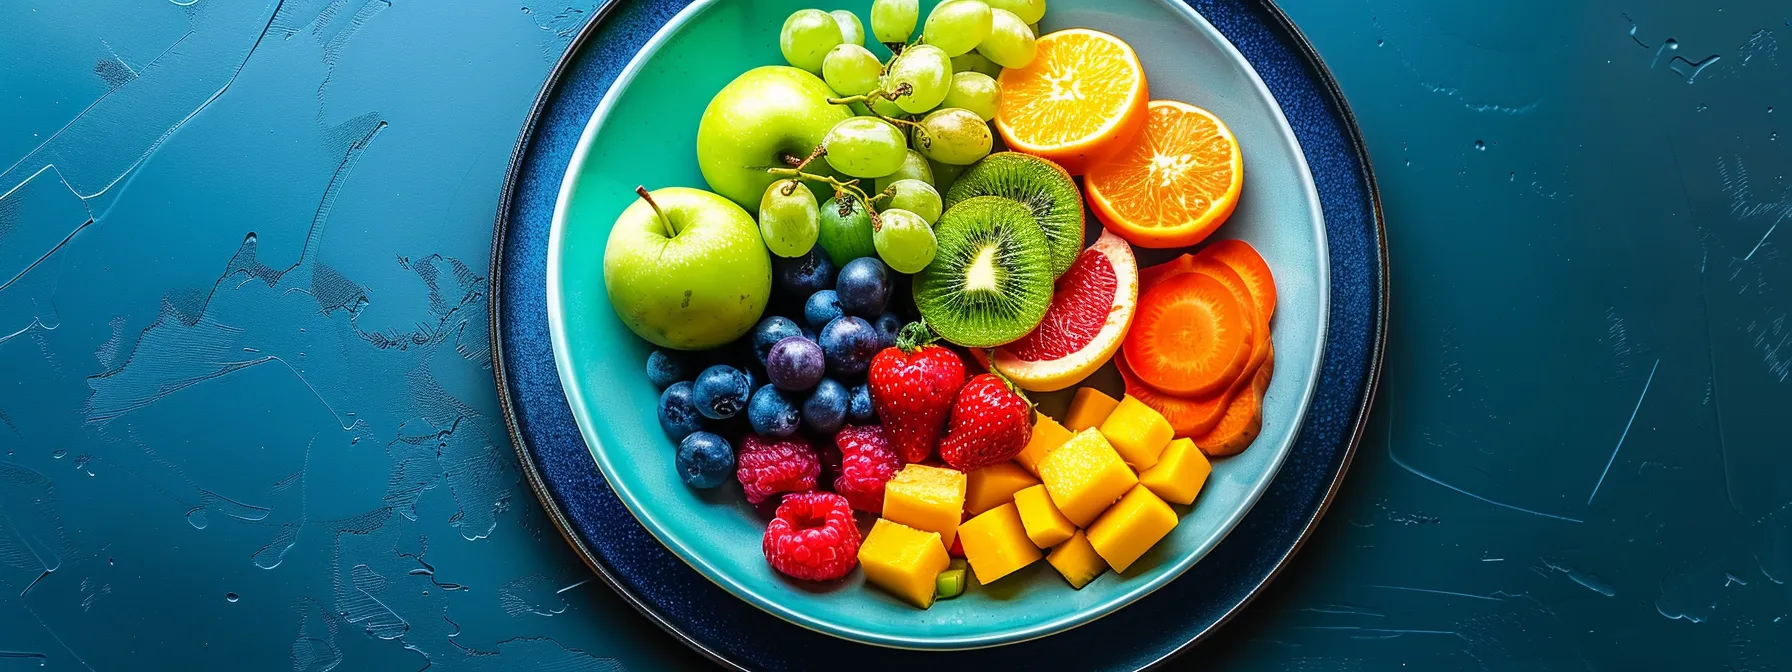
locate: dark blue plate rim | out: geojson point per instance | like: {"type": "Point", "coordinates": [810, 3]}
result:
{"type": "Point", "coordinates": [558, 468]}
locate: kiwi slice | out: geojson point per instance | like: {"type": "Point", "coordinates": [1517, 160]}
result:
{"type": "Point", "coordinates": [1044, 187]}
{"type": "Point", "coordinates": [990, 281]}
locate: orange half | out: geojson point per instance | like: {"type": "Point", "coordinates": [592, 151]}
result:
{"type": "Point", "coordinates": [1174, 184]}
{"type": "Point", "coordinates": [1082, 99]}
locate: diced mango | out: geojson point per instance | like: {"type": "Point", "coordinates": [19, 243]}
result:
{"type": "Point", "coordinates": [1179, 473]}
{"type": "Point", "coordinates": [996, 544]}
{"type": "Point", "coordinates": [1088, 408]}
{"type": "Point", "coordinates": [926, 498]}
{"type": "Point", "coordinates": [1077, 561]}
{"type": "Point", "coordinates": [1045, 524]}
{"type": "Point", "coordinates": [1138, 432]}
{"type": "Point", "coordinates": [903, 560]}
{"type": "Point", "coordinates": [1047, 436]}
{"type": "Point", "coordinates": [1130, 527]}
{"type": "Point", "coordinates": [1084, 476]}
{"type": "Point", "coordinates": [995, 485]}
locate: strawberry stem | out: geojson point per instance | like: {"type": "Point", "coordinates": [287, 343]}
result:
{"type": "Point", "coordinates": [990, 356]}
{"type": "Point", "coordinates": [914, 336]}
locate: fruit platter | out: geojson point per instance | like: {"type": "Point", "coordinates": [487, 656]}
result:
{"type": "Point", "coordinates": [937, 325]}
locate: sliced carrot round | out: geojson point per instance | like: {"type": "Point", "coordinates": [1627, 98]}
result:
{"type": "Point", "coordinates": [1189, 416]}
{"type": "Point", "coordinates": [1243, 418]}
{"type": "Point", "coordinates": [1250, 265]}
{"type": "Point", "coordinates": [1190, 336]}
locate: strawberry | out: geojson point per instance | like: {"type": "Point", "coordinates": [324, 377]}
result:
{"type": "Point", "coordinates": [912, 387]}
{"type": "Point", "coordinates": [991, 423]}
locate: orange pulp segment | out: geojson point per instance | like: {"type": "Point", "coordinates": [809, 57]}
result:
{"type": "Point", "coordinates": [1174, 184]}
{"type": "Point", "coordinates": [1081, 99]}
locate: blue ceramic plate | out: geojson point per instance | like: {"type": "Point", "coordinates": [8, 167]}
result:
{"type": "Point", "coordinates": [644, 133]}
{"type": "Point", "coordinates": [554, 457]}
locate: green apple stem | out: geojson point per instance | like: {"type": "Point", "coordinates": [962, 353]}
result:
{"type": "Point", "coordinates": [671, 230]}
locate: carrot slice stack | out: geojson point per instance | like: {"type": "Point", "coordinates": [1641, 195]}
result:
{"type": "Point", "coordinates": [1190, 336]}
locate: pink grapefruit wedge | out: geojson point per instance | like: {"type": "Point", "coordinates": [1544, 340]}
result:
{"type": "Point", "coordinates": [1092, 306]}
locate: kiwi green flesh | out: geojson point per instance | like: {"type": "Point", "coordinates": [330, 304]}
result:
{"type": "Point", "coordinates": [990, 282]}
{"type": "Point", "coordinates": [1044, 187]}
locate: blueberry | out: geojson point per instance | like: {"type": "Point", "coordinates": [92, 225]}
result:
{"type": "Point", "coordinates": [858, 405]}
{"type": "Point", "coordinates": [864, 287]}
{"type": "Point", "coordinates": [773, 413]}
{"type": "Point", "coordinates": [822, 308]}
{"type": "Point", "coordinates": [771, 330]}
{"type": "Point", "coordinates": [665, 367]}
{"type": "Point", "coordinates": [848, 343]}
{"type": "Point", "coordinates": [705, 460]}
{"type": "Point", "coordinates": [806, 274]}
{"type": "Point", "coordinates": [678, 412]}
{"type": "Point", "coordinates": [795, 364]}
{"type": "Point", "coordinates": [721, 391]}
{"type": "Point", "coordinates": [825, 409]}
{"type": "Point", "coordinates": [888, 325]}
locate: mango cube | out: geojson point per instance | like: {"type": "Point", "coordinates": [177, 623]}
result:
{"type": "Point", "coordinates": [1130, 527]}
{"type": "Point", "coordinates": [1179, 474]}
{"type": "Point", "coordinates": [1047, 436]}
{"type": "Point", "coordinates": [926, 498]}
{"type": "Point", "coordinates": [903, 560]}
{"type": "Point", "coordinates": [1045, 524]}
{"type": "Point", "coordinates": [995, 485]}
{"type": "Point", "coordinates": [1138, 432]}
{"type": "Point", "coordinates": [1088, 408]}
{"type": "Point", "coordinates": [1077, 561]}
{"type": "Point", "coordinates": [1084, 476]}
{"type": "Point", "coordinates": [996, 544]}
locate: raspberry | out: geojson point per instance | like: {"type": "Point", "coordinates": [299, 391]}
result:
{"type": "Point", "coordinates": [813, 538]}
{"type": "Point", "coordinates": [866, 463]}
{"type": "Point", "coordinates": [766, 466]}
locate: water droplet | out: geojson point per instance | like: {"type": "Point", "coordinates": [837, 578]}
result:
{"type": "Point", "coordinates": [1702, 107]}
{"type": "Point", "coordinates": [1409, 163]}
{"type": "Point", "coordinates": [59, 453]}
{"type": "Point", "coordinates": [1380, 42]}
{"type": "Point", "coordinates": [231, 597]}
{"type": "Point", "coordinates": [111, 562]}
{"type": "Point", "coordinates": [1511, 177]}
{"type": "Point", "coordinates": [1482, 146]}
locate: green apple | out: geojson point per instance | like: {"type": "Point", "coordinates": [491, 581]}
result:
{"type": "Point", "coordinates": [765, 116]}
{"type": "Point", "coordinates": [685, 269]}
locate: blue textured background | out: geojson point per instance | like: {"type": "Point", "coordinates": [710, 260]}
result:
{"type": "Point", "coordinates": [247, 420]}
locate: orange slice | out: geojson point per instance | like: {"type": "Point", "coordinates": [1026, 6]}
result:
{"type": "Point", "coordinates": [1082, 99]}
{"type": "Point", "coordinates": [1174, 184]}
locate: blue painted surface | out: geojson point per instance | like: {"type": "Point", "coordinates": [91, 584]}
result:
{"type": "Point", "coordinates": [243, 347]}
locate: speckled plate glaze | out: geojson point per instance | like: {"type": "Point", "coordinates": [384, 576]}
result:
{"type": "Point", "coordinates": [554, 453]}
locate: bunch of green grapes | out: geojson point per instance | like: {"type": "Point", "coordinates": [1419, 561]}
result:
{"type": "Point", "coordinates": [927, 106]}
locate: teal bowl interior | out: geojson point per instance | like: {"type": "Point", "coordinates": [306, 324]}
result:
{"type": "Point", "coordinates": [644, 133]}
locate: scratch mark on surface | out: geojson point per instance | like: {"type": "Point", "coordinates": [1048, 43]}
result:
{"type": "Point", "coordinates": [1439, 592]}
{"type": "Point", "coordinates": [58, 638]}
{"type": "Point", "coordinates": [1626, 433]}
{"type": "Point", "coordinates": [1403, 465]}
{"type": "Point", "coordinates": [1585, 580]}
{"type": "Point", "coordinates": [1345, 609]}
{"type": "Point", "coordinates": [581, 583]}
{"type": "Point", "coordinates": [1384, 631]}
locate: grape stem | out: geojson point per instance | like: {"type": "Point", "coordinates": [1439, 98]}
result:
{"type": "Point", "coordinates": [848, 188]}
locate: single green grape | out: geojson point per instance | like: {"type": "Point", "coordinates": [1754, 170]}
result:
{"type": "Point", "coordinates": [846, 230]}
{"type": "Point", "coordinates": [976, 92]}
{"type": "Point", "coordinates": [914, 167]}
{"type": "Point", "coordinates": [928, 72]}
{"type": "Point", "coordinates": [806, 38]}
{"type": "Point", "coordinates": [865, 147]}
{"type": "Point", "coordinates": [789, 219]}
{"type": "Point", "coordinates": [1010, 42]}
{"type": "Point", "coordinates": [914, 196]}
{"type": "Point", "coordinates": [956, 26]}
{"type": "Point", "coordinates": [945, 174]}
{"type": "Point", "coordinates": [893, 21]}
{"type": "Point", "coordinates": [1029, 11]}
{"type": "Point", "coordinates": [851, 70]}
{"type": "Point", "coordinates": [971, 61]}
{"type": "Point", "coordinates": [953, 135]}
{"type": "Point", "coordinates": [851, 31]}
{"type": "Point", "coordinates": [904, 240]}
